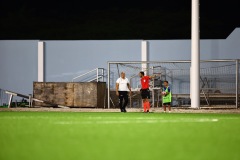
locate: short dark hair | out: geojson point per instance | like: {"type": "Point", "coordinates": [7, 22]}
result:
{"type": "Point", "coordinates": [166, 81]}
{"type": "Point", "coordinates": [142, 73]}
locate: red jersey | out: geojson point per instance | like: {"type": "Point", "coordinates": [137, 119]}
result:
{"type": "Point", "coordinates": [145, 82]}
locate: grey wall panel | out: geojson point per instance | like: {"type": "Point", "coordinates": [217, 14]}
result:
{"type": "Point", "coordinates": [230, 48]}
{"type": "Point", "coordinates": [18, 65]}
{"type": "Point", "coordinates": [67, 59]}
{"type": "Point", "coordinates": [164, 50]}
{"type": "Point", "coordinates": [210, 49]}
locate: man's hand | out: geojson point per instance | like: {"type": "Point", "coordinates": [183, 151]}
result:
{"type": "Point", "coordinates": [117, 93]}
{"type": "Point", "coordinates": [153, 76]}
{"type": "Point", "coordinates": [130, 93]}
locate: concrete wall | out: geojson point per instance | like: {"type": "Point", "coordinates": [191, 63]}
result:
{"type": "Point", "coordinates": [68, 59]}
{"type": "Point", "coordinates": [18, 65]}
{"type": "Point", "coordinates": [230, 48]}
{"type": "Point", "coordinates": [164, 50]}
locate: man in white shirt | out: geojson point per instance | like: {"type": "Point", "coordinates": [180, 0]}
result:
{"type": "Point", "coordinates": [122, 89]}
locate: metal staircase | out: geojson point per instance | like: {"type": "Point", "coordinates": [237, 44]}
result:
{"type": "Point", "coordinates": [95, 75]}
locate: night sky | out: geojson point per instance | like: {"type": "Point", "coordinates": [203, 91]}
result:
{"type": "Point", "coordinates": [115, 19]}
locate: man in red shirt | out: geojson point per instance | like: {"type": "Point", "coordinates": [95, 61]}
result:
{"type": "Point", "coordinates": [145, 92]}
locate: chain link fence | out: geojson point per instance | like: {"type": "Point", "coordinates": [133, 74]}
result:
{"type": "Point", "coordinates": [219, 81]}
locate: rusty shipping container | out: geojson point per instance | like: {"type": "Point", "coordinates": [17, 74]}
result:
{"type": "Point", "coordinates": [71, 94]}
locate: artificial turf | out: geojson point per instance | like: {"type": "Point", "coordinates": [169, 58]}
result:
{"type": "Point", "coordinates": [118, 136]}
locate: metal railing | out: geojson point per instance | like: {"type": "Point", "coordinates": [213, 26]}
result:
{"type": "Point", "coordinates": [97, 75]}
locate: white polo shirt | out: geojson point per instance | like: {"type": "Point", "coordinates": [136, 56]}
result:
{"type": "Point", "coordinates": [122, 84]}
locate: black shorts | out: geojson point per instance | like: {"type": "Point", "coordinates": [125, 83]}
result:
{"type": "Point", "coordinates": [165, 104]}
{"type": "Point", "coordinates": [145, 93]}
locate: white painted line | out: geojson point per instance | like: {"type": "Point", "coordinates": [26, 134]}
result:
{"type": "Point", "coordinates": [141, 121]}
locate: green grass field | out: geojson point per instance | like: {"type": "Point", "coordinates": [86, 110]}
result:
{"type": "Point", "coordinates": [118, 136]}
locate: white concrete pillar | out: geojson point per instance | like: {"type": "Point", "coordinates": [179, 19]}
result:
{"type": "Point", "coordinates": [41, 62]}
{"type": "Point", "coordinates": [195, 57]}
{"type": "Point", "coordinates": [145, 56]}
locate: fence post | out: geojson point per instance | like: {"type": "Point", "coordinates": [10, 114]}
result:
{"type": "Point", "coordinates": [41, 62]}
{"type": "Point", "coordinates": [108, 85]}
{"type": "Point", "coordinates": [237, 81]}
{"type": "Point", "coordinates": [1, 99]}
{"type": "Point", "coordinates": [102, 74]}
{"type": "Point", "coordinates": [97, 74]}
{"type": "Point", "coordinates": [130, 96]}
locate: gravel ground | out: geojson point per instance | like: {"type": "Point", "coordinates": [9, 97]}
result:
{"type": "Point", "coordinates": [158, 110]}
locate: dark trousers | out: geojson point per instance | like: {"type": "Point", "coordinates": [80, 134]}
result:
{"type": "Point", "coordinates": [123, 95]}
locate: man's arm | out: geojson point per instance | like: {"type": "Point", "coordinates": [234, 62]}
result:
{"type": "Point", "coordinates": [117, 87]}
{"type": "Point", "coordinates": [129, 87]}
{"type": "Point", "coordinates": [152, 76]}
